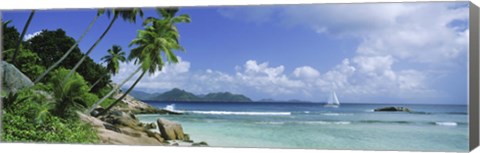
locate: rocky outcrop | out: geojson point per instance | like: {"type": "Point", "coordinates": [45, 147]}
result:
{"type": "Point", "coordinates": [135, 106]}
{"type": "Point", "coordinates": [138, 107]}
{"type": "Point", "coordinates": [12, 79]}
{"type": "Point", "coordinates": [121, 118]}
{"type": "Point", "coordinates": [170, 130]}
{"type": "Point", "coordinates": [392, 109]}
{"type": "Point", "coordinates": [114, 134]}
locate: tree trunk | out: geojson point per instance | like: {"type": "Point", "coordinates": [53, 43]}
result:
{"type": "Point", "coordinates": [21, 36]}
{"type": "Point", "coordinates": [113, 90]}
{"type": "Point", "coordinates": [123, 96]}
{"type": "Point", "coordinates": [39, 78]}
{"type": "Point", "coordinates": [90, 50]}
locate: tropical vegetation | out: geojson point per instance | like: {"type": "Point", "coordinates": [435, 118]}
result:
{"type": "Point", "coordinates": [67, 81]}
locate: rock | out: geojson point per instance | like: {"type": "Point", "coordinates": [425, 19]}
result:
{"type": "Point", "coordinates": [392, 109]}
{"type": "Point", "coordinates": [150, 126]}
{"type": "Point", "coordinates": [186, 137]}
{"type": "Point", "coordinates": [200, 144]}
{"type": "Point", "coordinates": [96, 111]}
{"type": "Point", "coordinates": [155, 135]}
{"type": "Point", "coordinates": [134, 105]}
{"type": "Point", "coordinates": [13, 79]}
{"type": "Point", "coordinates": [120, 118]}
{"type": "Point", "coordinates": [170, 130]}
{"type": "Point", "coordinates": [111, 127]}
{"type": "Point", "coordinates": [126, 136]}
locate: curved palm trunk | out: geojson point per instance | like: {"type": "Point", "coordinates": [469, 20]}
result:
{"type": "Point", "coordinates": [124, 94]}
{"type": "Point", "coordinates": [112, 91]}
{"type": "Point", "coordinates": [96, 82]}
{"type": "Point", "coordinates": [90, 50]}
{"type": "Point", "coordinates": [22, 35]}
{"type": "Point", "coordinates": [67, 53]}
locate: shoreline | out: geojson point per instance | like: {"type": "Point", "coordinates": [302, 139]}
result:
{"type": "Point", "coordinates": [121, 126]}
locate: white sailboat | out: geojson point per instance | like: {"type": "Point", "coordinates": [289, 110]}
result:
{"type": "Point", "coordinates": [332, 100]}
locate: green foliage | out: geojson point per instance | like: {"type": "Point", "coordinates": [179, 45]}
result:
{"type": "Point", "coordinates": [28, 62]}
{"type": "Point", "coordinates": [27, 118]}
{"type": "Point", "coordinates": [10, 36]}
{"type": "Point", "coordinates": [103, 91]}
{"type": "Point", "coordinates": [70, 94]}
{"type": "Point", "coordinates": [115, 55]}
{"type": "Point", "coordinates": [30, 103]}
{"type": "Point", "coordinates": [107, 102]}
{"type": "Point", "coordinates": [89, 99]}
{"type": "Point", "coordinates": [20, 128]}
{"type": "Point", "coordinates": [51, 45]}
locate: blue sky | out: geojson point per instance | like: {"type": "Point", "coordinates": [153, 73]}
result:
{"type": "Point", "coordinates": [374, 53]}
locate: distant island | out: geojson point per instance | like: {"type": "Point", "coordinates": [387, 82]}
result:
{"type": "Point", "coordinates": [182, 95]}
{"type": "Point", "coordinates": [177, 94]}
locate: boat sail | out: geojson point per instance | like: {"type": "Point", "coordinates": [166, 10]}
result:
{"type": "Point", "coordinates": [332, 100]}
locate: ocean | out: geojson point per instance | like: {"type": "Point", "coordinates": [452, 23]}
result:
{"type": "Point", "coordinates": [313, 126]}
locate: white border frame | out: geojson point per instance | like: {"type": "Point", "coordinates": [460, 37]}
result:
{"type": "Point", "coordinates": [70, 4]}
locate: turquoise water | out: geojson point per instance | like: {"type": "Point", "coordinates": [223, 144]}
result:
{"type": "Point", "coordinates": [312, 126]}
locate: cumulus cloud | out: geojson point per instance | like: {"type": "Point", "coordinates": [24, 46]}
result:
{"type": "Point", "coordinates": [171, 76]}
{"type": "Point", "coordinates": [401, 44]}
{"type": "Point", "coordinates": [306, 72]}
{"type": "Point", "coordinates": [31, 35]}
{"type": "Point", "coordinates": [398, 55]}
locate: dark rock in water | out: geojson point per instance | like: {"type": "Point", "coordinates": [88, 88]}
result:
{"type": "Point", "coordinates": [170, 130]}
{"type": "Point", "coordinates": [200, 144]}
{"type": "Point", "coordinates": [13, 79]}
{"type": "Point", "coordinates": [392, 109]}
{"type": "Point", "coordinates": [186, 137]}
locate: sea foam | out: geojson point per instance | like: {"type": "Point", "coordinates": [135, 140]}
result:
{"type": "Point", "coordinates": [337, 114]}
{"type": "Point", "coordinates": [446, 123]}
{"type": "Point", "coordinates": [238, 113]}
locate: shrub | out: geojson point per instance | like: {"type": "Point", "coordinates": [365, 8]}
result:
{"type": "Point", "coordinates": [69, 93]}
{"type": "Point", "coordinates": [27, 62]}
{"type": "Point", "coordinates": [27, 118]}
{"type": "Point", "coordinates": [90, 99]}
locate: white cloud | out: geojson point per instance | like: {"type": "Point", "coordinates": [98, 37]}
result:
{"type": "Point", "coordinates": [417, 32]}
{"type": "Point", "coordinates": [30, 36]}
{"type": "Point", "coordinates": [390, 35]}
{"type": "Point", "coordinates": [268, 79]}
{"type": "Point", "coordinates": [401, 44]}
{"type": "Point", "coordinates": [171, 76]}
{"type": "Point", "coordinates": [306, 72]}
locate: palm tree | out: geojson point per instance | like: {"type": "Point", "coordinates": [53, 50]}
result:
{"type": "Point", "coordinates": [22, 35]}
{"type": "Point", "coordinates": [115, 54]}
{"type": "Point", "coordinates": [39, 78]}
{"type": "Point", "coordinates": [160, 36]}
{"type": "Point", "coordinates": [129, 15]}
{"type": "Point", "coordinates": [69, 96]}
